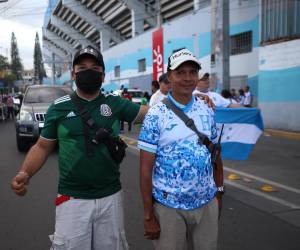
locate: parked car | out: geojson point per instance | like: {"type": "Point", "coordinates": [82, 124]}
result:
{"type": "Point", "coordinates": [31, 117]}
{"type": "Point", "coordinates": [136, 94]}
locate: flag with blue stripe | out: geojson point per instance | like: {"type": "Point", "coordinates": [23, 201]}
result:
{"type": "Point", "coordinates": [242, 128]}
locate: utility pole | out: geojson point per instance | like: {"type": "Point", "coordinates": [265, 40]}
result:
{"type": "Point", "coordinates": [53, 69]}
{"type": "Point", "coordinates": [158, 15]}
{"type": "Point", "coordinates": [220, 78]}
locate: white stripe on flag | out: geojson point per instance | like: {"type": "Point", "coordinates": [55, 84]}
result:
{"type": "Point", "coordinates": [239, 132]}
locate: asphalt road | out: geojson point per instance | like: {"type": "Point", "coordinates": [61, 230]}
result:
{"type": "Point", "coordinates": [249, 221]}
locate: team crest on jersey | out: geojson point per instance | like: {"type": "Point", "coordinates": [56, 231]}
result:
{"type": "Point", "coordinates": [105, 110]}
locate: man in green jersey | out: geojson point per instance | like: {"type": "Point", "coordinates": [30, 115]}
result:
{"type": "Point", "coordinates": [89, 209]}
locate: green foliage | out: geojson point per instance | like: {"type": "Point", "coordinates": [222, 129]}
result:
{"type": "Point", "coordinates": [9, 80]}
{"type": "Point", "coordinates": [16, 65]}
{"type": "Point", "coordinates": [3, 63]}
{"type": "Point", "coordinates": [39, 70]}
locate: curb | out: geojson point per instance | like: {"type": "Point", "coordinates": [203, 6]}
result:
{"type": "Point", "coordinates": [284, 134]}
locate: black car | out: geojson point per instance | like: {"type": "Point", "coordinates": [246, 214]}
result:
{"type": "Point", "coordinates": [31, 117]}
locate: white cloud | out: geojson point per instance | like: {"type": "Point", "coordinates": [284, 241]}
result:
{"type": "Point", "coordinates": [24, 19]}
{"type": "Point", "coordinates": [25, 36]}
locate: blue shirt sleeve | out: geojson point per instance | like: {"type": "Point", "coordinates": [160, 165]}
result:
{"type": "Point", "coordinates": [150, 131]}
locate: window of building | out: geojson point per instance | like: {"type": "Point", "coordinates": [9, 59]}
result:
{"type": "Point", "coordinates": [280, 20]}
{"type": "Point", "coordinates": [117, 71]}
{"type": "Point", "coordinates": [241, 43]}
{"type": "Point", "coordinates": [142, 65]}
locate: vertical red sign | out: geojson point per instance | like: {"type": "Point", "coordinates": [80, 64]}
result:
{"type": "Point", "coordinates": [158, 53]}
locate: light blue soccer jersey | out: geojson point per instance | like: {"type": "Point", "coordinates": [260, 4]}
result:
{"type": "Point", "coordinates": [183, 174]}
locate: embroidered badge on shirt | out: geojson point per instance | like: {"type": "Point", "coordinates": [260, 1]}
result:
{"type": "Point", "coordinates": [105, 110]}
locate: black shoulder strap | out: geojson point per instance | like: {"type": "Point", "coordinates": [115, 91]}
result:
{"type": "Point", "coordinates": [87, 122]}
{"type": "Point", "coordinates": [203, 139]}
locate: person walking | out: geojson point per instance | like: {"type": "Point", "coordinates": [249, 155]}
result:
{"type": "Point", "coordinates": [180, 187]}
{"type": "Point", "coordinates": [89, 209]}
{"type": "Point", "coordinates": [10, 107]}
{"type": "Point", "coordinates": [127, 96]}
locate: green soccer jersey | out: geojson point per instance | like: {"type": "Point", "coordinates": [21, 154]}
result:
{"type": "Point", "coordinates": [79, 175]}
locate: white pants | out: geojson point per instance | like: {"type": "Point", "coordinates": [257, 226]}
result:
{"type": "Point", "coordinates": [90, 224]}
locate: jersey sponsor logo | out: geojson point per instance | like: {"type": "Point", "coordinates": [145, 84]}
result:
{"type": "Point", "coordinates": [71, 114]}
{"type": "Point", "coordinates": [105, 110]}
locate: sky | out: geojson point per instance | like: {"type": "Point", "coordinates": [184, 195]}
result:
{"type": "Point", "coordinates": [24, 18]}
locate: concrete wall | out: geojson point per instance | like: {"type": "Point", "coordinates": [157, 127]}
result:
{"type": "Point", "coordinates": [192, 31]}
{"type": "Point", "coordinates": [279, 85]}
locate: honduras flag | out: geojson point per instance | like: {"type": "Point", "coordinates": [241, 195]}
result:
{"type": "Point", "coordinates": [242, 128]}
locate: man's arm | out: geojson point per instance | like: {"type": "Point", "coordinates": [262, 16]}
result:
{"type": "Point", "coordinates": [34, 160]}
{"type": "Point", "coordinates": [235, 105]}
{"type": "Point", "coordinates": [141, 115]}
{"type": "Point", "coordinates": [206, 98]}
{"type": "Point", "coordinates": [151, 224]}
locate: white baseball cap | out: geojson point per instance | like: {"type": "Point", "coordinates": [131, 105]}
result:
{"type": "Point", "coordinates": [181, 56]}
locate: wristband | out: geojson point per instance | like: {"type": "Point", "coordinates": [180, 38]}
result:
{"type": "Point", "coordinates": [221, 189]}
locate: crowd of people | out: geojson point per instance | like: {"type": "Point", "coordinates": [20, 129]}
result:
{"type": "Point", "coordinates": [181, 171]}
{"type": "Point", "coordinates": [244, 96]}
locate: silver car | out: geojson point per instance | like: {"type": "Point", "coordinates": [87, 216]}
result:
{"type": "Point", "coordinates": [31, 117]}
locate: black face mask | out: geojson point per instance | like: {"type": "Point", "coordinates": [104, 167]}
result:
{"type": "Point", "coordinates": [89, 81]}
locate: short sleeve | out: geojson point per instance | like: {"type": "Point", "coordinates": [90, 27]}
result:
{"type": "Point", "coordinates": [150, 131]}
{"type": "Point", "coordinates": [128, 110]}
{"type": "Point", "coordinates": [49, 130]}
{"type": "Point", "coordinates": [222, 102]}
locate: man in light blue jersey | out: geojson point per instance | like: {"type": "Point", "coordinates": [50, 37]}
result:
{"type": "Point", "coordinates": [179, 185]}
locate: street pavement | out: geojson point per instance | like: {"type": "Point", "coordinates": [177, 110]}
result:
{"type": "Point", "coordinates": [249, 220]}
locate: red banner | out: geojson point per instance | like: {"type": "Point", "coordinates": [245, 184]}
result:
{"type": "Point", "coordinates": [158, 53]}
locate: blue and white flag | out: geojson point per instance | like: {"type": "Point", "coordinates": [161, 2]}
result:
{"type": "Point", "coordinates": [242, 128]}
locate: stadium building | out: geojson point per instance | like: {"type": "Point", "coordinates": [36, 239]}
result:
{"type": "Point", "coordinates": [137, 36]}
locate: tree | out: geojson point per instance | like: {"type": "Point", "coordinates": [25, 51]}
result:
{"type": "Point", "coordinates": [4, 65]}
{"type": "Point", "coordinates": [39, 70]}
{"type": "Point", "coordinates": [16, 65]}
{"type": "Point", "coordinates": [9, 80]}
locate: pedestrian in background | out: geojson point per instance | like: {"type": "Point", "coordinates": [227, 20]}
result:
{"type": "Point", "coordinates": [176, 177]}
{"type": "Point", "coordinates": [154, 86]}
{"type": "Point", "coordinates": [241, 99]}
{"type": "Point", "coordinates": [127, 96]}
{"type": "Point", "coordinates": [233, 94]}
{"type": "Point", "coordinates": [10, 107]}
{"type": "Point", "coordinates": [161, 93]}
{"type": "Point", "coordinates": [147, 96]}
{"type": "Point", "coordinates": [248, 97]}
{"type": "Point", "coordinates": [202, 88]}
{"type": "Point", "coordinates": [89, 207]}
{"type": "Point", "coordinates": [227, 95]}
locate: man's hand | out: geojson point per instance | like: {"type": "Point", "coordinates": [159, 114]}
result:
{"type": "Point", "coordinates": [219, 199]}
{"type": "Point", "coordinates": [19, 182]}
{"type": "Point", "coordinates": [209, 101]}
{"type": "Point", "coordinates": [151, 227]}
